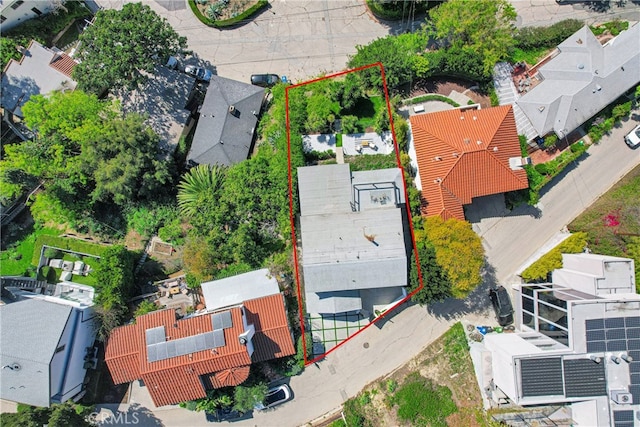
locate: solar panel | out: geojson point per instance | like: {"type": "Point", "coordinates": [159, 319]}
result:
{"type": "Point", "coordinates": [616, 334]}
{"type": "Point", "coordinates": [619, 345]}
{"type": "Point", "coordinates": [541, 377]}
{"type": "Point", "coordinates": [632, 321]}
{"type": "Point", "coordinates": [614, 322]}
{"type": "Point", "coordinates": [218, 338]}
{"type": "Point", "coordinates": [221, 320]}
{"type": "Point", "coordinates": [635, 379]}
{"type": "Point", "coordinates": [154, 335]}
{"type": "Point", "coordinates": [584, 377]}
{"type": "Point", "coordinates": [633, 344]}
{"type": "Point", "coordinates": [595, 335]}
{"type": "Point", "coordinates": [171, 348]}
{"type": "Point", "coordinates": [623, 418]}
{"type": "Point", "coordinates": [596, 347]}
{"type": "Point", "coordinates": [208, 337]}
{"type": "Point", "coordinates": [200, 343]}
{"type": "Point", "coordinates": [633, 333]}
{"type": "Point", "coordinates": [592, 324]}
{"type": "Point", "coordinates": [634, 367]}
{"type": "Point", "coordinates": [151, 353]}
{"type": "Point", "coordinates": [162, 350]}
{"type": "Point", "coordinates": [635, 392]}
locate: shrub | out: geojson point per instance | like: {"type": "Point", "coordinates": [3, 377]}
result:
{"type": "Point", "coordinates": [52, 253]}
{"type": "Point", "coordinates": [349, 124]}
{"type": "Point", "coordinates": [536, 37]}
{"type": "Point", "coordinates": [578, 147]}
{"type": "Point", "coordinates": [432, 97]}
{"type": "Point", "coordinates": [421, 402]}
{"type": "Point", "coordinates": [550, 141]}
{"type": "Point", "coordinates": [542, 168]}
{"type": "Point", "coordinates": [552, 260]}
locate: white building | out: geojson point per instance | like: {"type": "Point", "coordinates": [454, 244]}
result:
{"type": "Point", "coordinates": [577, 342]}
{"type": "Point", "coordinates": [46, 345]}
{"type": "Point", "coordinates": [15, 12]}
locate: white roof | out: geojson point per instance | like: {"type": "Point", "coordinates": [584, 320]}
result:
{"type": "Point", "coordinates": [235, 290]}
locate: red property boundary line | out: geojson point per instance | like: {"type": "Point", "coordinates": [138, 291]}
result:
{"type": "Point", "coordinates": [292, 214]}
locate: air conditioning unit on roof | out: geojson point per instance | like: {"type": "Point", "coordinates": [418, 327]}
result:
{"type": "Point", "coordinates": [621, 397]}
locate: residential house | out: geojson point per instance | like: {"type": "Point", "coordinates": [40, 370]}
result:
{"type": "Point", "coordinates": [15, 12]}
{"type": "Point", "coordinates": [354, 238]}
{"type": "Point", "coordinates": [179, 360]}
{"type": "Point", "coordinates": [228, 119]}
{"type": "Point", "coordinates": [577, 343]}
{"type": "Point", "coordinates": [165, 99]}
{"type": "Point", "coordinates": [466, 153]}
{"type": "Point", "coordinates": [41, 70]}
{"type": "Point", "coordinates": [46, 344]}
{"type": "Point", "coordinates": [234, 290]}
{"type": "Point", "coordinates": [582, 79]}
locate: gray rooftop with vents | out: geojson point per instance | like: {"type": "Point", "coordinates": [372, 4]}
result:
{"type": "Point", "coordinates": [223, 137]}
{"type": "Point", "coordinates": [582, 79]}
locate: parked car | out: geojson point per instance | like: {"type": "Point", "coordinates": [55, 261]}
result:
{"type": "Point", "coordinates": [223, 414]}
{"type": "Point", "coordinates": [502, 305]}
{"type": "Point", "coordinates": [199, 72]}
{"type": "Point", "coordinates": [265, 80]}
{"type": "Point", "coordinates": [275, 396]}
{"type": "Point", "coordinates": [633, 138]}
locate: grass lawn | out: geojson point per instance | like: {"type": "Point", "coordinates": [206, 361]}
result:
{"type": "Point", "coordinates": [17, 260]}
{"type": "Point", "coordinates": [368, 162]}
{"type": "Point", "coordinates": [531, 57]}
{"type": "Point", "coordinates": [612, 223]}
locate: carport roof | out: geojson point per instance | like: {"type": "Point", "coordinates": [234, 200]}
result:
{"type": "Point", "coordinates": [464, 154]}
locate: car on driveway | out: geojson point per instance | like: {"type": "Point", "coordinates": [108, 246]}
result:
{"type": "Point", "coordinates": [275, 396]}
{"type": "Point", "coordinates": [223, 414]}
{"type": "Point", "coordinates": [501, 303]}
{"type": "Point", "coordinates": [265, 80]}
{"type": "Point", "coordinates": [199, 73]}
{"type": "Point", "coordinates": [633, 138]}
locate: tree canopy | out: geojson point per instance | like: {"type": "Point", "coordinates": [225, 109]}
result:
{"type": "Point", "coordinates": [436, 284]}
{"type": "Point", "coordinates": [87, 154]}
{"type": "Point", "coordinates": [122, 45]}
{"type": "Point", "coordinates": [484, 26]}
{"type": "Point", "coordinates": [458, 251]}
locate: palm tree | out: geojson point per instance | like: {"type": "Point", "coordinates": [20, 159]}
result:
{"type": "Point", "coordinates": [197, 187]}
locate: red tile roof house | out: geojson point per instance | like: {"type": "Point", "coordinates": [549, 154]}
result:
{"type": "Point", "coordinates": [179, 360]}
{"type": "Point", "coordinates": [466, 153]}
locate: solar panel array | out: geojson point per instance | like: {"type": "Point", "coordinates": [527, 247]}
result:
{"type": "Point", "coordinates": [623, 418]}
{"type": "Point", "coordinates": [158, 348]}
{"type": "Point", "coordinates": [584, 377]}
{"type": "Point", "coordinates": [618, 334]}
{"type": "Point", "coordinates": [541, 377]}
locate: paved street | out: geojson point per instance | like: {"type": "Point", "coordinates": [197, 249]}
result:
{"type": "Point", "coordinates": [511, 240]}
{"type": "Point", "coordinates": [305, 38]}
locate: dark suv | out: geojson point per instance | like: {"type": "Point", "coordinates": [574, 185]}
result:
{"type": "Point", "coordinates": [502, 305]}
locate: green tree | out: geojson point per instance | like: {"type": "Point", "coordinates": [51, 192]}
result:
{"type": "Point", "coordinates": [458, 250]}
{"type": "Point", "coordinates": [485, 26]}
{"type": "Point", "coordinates": [395, 53]}
{"type": "Point", "coordinates": [199, 187]}
{"type": "Point", "coordinates": [349, 124]}
{"type": "Point", "coordinates": [122, 45]}
{"type": "Point", "coordinates": [436, 284]}
{"type": "Point", "coordinates": [145, 307]}
{"type": "Point", "coordinates": [114, 277]}
{"type": "Point", "coordinates": [65, 415]}
{"type": "Point", "coordinates": [246, 397]}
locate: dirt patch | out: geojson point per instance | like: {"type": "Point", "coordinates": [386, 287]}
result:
{"type": "Point", "coordinates": [134, 241]}
{"type": "Point", "coordinates": [446, 86]}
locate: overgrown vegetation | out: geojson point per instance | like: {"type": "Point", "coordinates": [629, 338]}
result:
{"type": "Point", "coordinates": [422, 403]}
{"type": "Point", "coordinates": [540, 270]}
{"type": "Point", "coordinates": [612, 223]}
{"type": "Point", "coordinates": [458, 251]}
{"type": "Point", "coordinates": [58, 415]}
{"type": "Point", "coordinates": [42, 29]}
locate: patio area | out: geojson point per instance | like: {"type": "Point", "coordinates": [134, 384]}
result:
{"type": "Point", "coordinates": [367, 143]}
{"type": "Point", "coordinates": [329, 330]}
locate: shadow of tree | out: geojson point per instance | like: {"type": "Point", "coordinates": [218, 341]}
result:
{"type": "Point", "coordinates": [477, 302]}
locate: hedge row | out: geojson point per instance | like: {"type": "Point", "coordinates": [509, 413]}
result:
{"type": "Point", "coordinates": [536, 37]}
{"type": "Point", "coordinates": [552, 260]}
{"type": "Point", "coordinates": [427, 98]}
{"type": "Point", "coordinates": [70, 244]}
{"type": "Point", "coordinates": [231, 21]}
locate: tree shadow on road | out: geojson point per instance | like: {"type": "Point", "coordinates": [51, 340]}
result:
{"type": "Point", "coordinates": [477, 302]}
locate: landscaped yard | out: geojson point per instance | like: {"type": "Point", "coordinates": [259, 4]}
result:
{"type": "Point", "coordinates": [612, 223]}
{"type": "Point", "coordinates": [437, 388]}
{"type": "Point", "coordinates": [16, 260]}
{"type": "Point", "coordinates": [366, 109]}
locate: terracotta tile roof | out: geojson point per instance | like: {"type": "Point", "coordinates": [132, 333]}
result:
{"type": "Point", "coordinates": [273, 337]}
{"type": "Point", "coordinates": [182, 378]}
{"type": "Point", "coordinates": [63, 63]}
{"type": "Point", "coordinates": [465, 154]}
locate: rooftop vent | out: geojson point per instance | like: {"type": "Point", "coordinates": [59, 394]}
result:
{"type": "Point", "coordinates": [437, 180]}
{"type": "Point", "coordinates": [579, 41]}
{"type": "Point", "coordinates": [479, 142]}
{"type": "Point", "coordinates": [437, 158]}
{"type": "Point", "coordinates": [232, 109]}
{"type": "Point", "coordinates": [621, 397]}
{"type": "Point", "coordinates": [495, 149]}
{"type": "Point", "coordinates": [461, 117]}
{"type": "Point", "coordinates": [475, 118]}
{"type": "Point", "coordinates": [467, 140]}
{"type": "Point", "coordinates": [541, 108]}
{"type": "Point", "coordinates": [580, 66]}
{"type": "Point", "coordinates": [455, 154]}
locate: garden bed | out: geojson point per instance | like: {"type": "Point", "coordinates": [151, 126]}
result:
{"type": "Point", "coordinates": [444, 87]}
